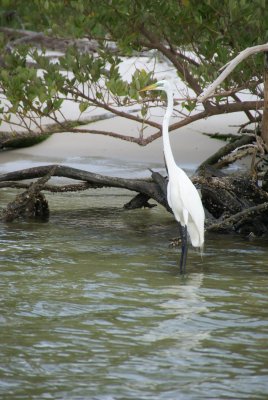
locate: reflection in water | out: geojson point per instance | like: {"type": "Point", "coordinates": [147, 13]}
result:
{"type": "Point", "coordinates": [181, 310]}
{"type": "Point", "coordinates": [92, 307]}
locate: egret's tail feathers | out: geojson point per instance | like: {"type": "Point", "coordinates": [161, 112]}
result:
{"type": "Point", "coordinates": [201, 248]}
{"type": "Point", "coordinates": [196, 236]}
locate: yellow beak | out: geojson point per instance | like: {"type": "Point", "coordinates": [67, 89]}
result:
{"type": "Point", "coordinates": [149, 87]}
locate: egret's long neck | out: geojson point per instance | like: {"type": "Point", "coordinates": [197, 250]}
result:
{"type": "Point", "coordinates": [166, 142]}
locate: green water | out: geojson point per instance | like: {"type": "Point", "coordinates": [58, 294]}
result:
{"type": "Point", "coordinates": [92, 307]}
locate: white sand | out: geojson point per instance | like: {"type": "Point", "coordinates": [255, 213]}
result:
{"type": "Point", "coordinates": [189, 145]}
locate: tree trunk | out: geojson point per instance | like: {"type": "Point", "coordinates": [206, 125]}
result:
{"type": "Point", "coordinates": [264, 130]}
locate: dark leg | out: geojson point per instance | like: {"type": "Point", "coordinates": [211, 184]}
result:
{"type": "Point", "coordinates": [184, 248]}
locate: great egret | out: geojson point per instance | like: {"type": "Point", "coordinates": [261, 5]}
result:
{"type": "Point", "coordinates": [182, 196]}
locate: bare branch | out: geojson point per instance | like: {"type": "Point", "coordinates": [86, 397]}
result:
{"type": "Point", "coordinates": [240, 216]}
{"type": "Point", "coordinates": [50, 188]}
{"type": "Point", "coordinates": [147, 187]}
{"type": "Point", "coordinates": [107, 107]}
{"type": "Point", "coordinates": [214, 110]}
{"type": "Point", "coordinates": [229, 68]}
{"type": "Point", "coordinates": [73, 126]}
{"type": "Point", "coordinates": [225, 150]}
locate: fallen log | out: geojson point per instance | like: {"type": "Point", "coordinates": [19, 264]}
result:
{"type": "Point", "coordinates": [146, 188]}
{"type": "Point", "coordinates": [233, 203]}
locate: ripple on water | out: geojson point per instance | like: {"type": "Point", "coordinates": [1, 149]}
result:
{"type": "Point", "coordinates": [92, 306]}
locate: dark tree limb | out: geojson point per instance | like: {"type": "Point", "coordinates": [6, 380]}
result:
{"type": "Point", "coordinates": [72, 173]}
{"type": "Point", "coordinates": [233, 203]}
{"type": "Point", "coordinates": [139, 201]}
{"type": "Point", "coordinates": [237, 204]}
{"type": "Point", "coordinates": [49, 188]}
{"type": "Point", "coordinates": [31, 203]}
{"type": "Point", "coordinates": [227, 149]}
{"type": "Point", "coordinates": [146, 186]}
{"type": "Point", "coordinates": [238, 219]}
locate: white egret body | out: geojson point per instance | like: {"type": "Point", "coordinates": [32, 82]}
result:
{"type": "Point", "coordinates": [182, 196]}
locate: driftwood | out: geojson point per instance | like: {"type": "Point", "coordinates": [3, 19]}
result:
{"type": "Point", "coordinates": [233, 203]}
{"type": "Point", "coordinates": [29, 204]}
{"type": "Point", "coordinates": [237, 204]}
{"type": "Point", "coordinates": [146, 188]}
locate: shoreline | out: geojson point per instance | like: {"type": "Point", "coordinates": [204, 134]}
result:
{"type": "Point", "coordinates": [190, 147]}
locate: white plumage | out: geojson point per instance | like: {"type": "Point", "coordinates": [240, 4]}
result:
{"type": "Point", "coordinates": [182, 196]}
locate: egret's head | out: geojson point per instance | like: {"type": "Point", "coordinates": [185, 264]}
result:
{"type": "Point", "coordinates": [160, 85]}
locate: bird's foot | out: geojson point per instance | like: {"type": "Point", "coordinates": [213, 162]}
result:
{"type": "Point", "coordinates": [175, 242]}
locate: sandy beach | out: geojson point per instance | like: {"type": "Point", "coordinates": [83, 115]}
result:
{"type": "Point", "coordinates": [190, 146]}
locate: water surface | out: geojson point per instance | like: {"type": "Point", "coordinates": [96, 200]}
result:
{"type": "Point", "coordinates": [93, 307]}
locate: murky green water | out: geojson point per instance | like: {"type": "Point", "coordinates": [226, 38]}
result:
{"type": "Point", "coordinates": [92, 307]}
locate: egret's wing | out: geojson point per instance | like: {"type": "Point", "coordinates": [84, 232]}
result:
{"type": "Point", "coordinates": [169, 194]}
{"type": "Point", "coordinates": [191, 201]}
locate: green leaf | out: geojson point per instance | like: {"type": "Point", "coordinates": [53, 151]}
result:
{"type": "Point", "coordinates": [83, 106]}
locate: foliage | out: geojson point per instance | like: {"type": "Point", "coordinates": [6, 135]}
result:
{"type": "Point", "coordinates": [197, 37]}
{"type": "Point", "coordinates": [26, 142]}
